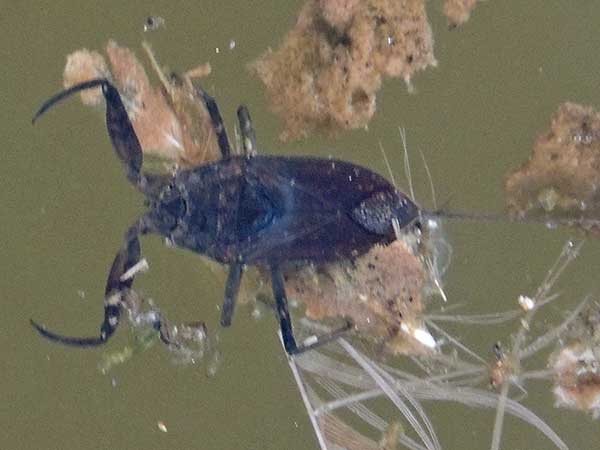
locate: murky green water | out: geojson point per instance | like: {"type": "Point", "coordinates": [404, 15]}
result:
{"type": "Point", "coordinates": [66, 205]}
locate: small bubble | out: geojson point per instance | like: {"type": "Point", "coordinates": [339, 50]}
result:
{"type": "Point", "coordinates": [526, 302]}
{"type": "Point", "coordinates": [585, 135]}
{"type": "Point", "coordinates": [433, 224]}
{"type": "Point", "coordinates": [424, 337]}
{"type": "Point", "coordinates": [256, 313]}
{"type": "Point", "coordinates": [213, 365]}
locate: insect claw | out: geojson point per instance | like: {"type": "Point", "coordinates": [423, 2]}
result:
{"type": "Point", "coordinates": [67, 340]}
{"type": "Point", "coordinates": [66, 93]}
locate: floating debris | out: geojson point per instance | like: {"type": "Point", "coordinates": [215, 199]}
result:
{"type": "Point", "coordinates": [562, 177]}
{"type": "Point", "coordinates": [140, 267]}
{"type": "Point", "coordinates": [170, 121]}
{"type": "Point", "coordinates": [577, 377]}
{"type": "Point", "coordinates": [187, 342]}
{"type": "Point", "coordinates": [161, 426]}
{"type": "Point", "coordinates": [381, 293]}
{"type": "Point", "coordinates": [505, 369]}
{"type": "Point", "coordinates": [458, 11]}
{"type": "Point", "coordinates": [198, 139]}
{"type": "Point", "coordinates": [109, 360]}
{"type": "Point", "coordinates": [344, 436]}
{"type": "Point", "coordinates": [526, 303]}
{"type": "Point", "coordinates": [325, 75]}
{"type": "Point", "coordinates": [143, 341]}
{"type": "Point", "coordinates": [153, 23]}
{"type": "Point", "coordinates": [83, 65]}
{"type": "Point", "coordinates": [391, 436]}
{"type": "Point", "coordinates": [576, 364]}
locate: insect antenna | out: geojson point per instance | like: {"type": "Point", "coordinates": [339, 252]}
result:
{"type": "Point", "coordinates": [432, 253]}
{"type": "Point", "coordinates": [549, 222]}
{"type": "Point", "coordinates": [407, 171]}
{"type": "Point", "coordinates": [430, 178]}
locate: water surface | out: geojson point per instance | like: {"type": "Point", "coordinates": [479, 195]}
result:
{"type": "Point", "coordinates": [66, 205]}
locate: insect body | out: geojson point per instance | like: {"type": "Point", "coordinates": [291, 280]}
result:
{"type": "Point", "coordinates": [246, 210]}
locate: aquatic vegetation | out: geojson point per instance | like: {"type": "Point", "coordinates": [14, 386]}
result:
{"type": "Point", "coordinates": [341, 384]}
{"type": "Point", "coordinates": [561, 178]}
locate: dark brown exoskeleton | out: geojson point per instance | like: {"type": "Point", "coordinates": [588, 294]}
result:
{"type": "Point", "coordinates": [245, 210]}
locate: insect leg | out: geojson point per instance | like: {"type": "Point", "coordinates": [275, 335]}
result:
{"type": "Point", "coordinates": [217, 121]}
{"type": "Point", "coordinates": [248, 133]}
{"type": "Point", "coordinates": [121, 132]}
{"type": "Point", "coordinates": [120, 129]}
{"type": "Point", "coordinates": [231, 292]}
{"type": "Point", "coordinates": [285, 322]}
{"type": "Point", "coordinates": [116, 283]}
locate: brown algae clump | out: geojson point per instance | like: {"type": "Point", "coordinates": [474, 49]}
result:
{"type": "Point", "coordinates": [83, 65]}
{"type": "Point", "coordinates": [380, 292]}
{"type": "Point", "coordinates": [197, 134]}
{"type": "Point", "coordinates": [562, 175]}
{"type": "Point", "coordinates": [458, 11]}
{"type": "Point", "coordinates": [155, 123]}
{"type": "Point", "coordinates": [577, 378]}
{"type": "Point", "coordinates": [170, 121]}
{"type": "Point", "coordinates": [576, 364]}
{"type": "Point", "coordinates": [326, 74]}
